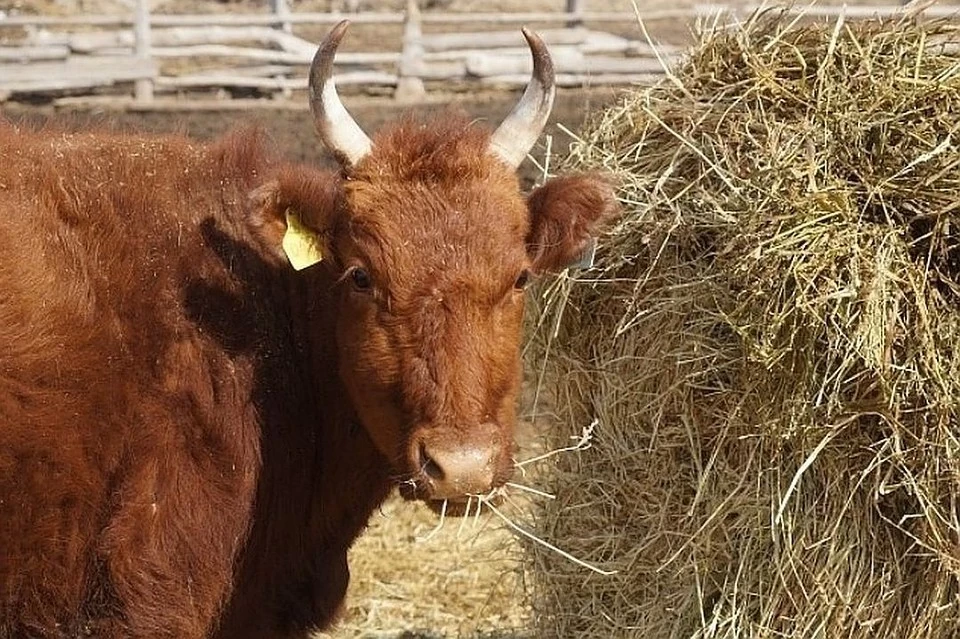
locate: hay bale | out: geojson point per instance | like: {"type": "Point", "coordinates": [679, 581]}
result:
{"type": "Point", "coordinates": [770, 346]}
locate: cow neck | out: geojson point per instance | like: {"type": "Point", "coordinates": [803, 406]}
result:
{"type": "Point", "coordinates": [322, 479]}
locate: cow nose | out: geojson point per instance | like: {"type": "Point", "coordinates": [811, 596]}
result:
{"type": "Point", "coordinates": [454, 469]}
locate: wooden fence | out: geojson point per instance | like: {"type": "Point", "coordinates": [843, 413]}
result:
{"type": "Point", "coordinates": [260, 52]}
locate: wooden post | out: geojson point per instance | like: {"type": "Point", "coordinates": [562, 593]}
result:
{"type": "Point", "coordinates": [143, 88]}
{"type": "Point", "coordinates": [575, 9]}
{"type": "Point", "coordinates": [409, 81]}
{"type": "Point", "coordinates": [282, 11]}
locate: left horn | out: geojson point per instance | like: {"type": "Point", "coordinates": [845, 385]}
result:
{"type": "Point", "coordinates": [338, 130]}
{"type": "Point", "coordinates": [517, 134]}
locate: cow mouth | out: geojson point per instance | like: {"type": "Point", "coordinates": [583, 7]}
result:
{"type": "Point", "coordinates": [454, 506]}
{"type": "Point", "coordinates": [463, 506]}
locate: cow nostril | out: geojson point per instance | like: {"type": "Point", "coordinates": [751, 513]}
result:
{"type": "Point", "coordinates": [429, 467]}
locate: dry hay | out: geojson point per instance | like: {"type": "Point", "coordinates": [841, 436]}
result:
{"type": "Point", "coordinates": [769, 345]}
{"type": "Point", "coordinates": [413, 578]}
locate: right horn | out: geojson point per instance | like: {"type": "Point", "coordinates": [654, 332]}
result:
{"type": "Point", "coordinates": [339, 131]}
{"type": "Point", "coordinates": [517, 134]}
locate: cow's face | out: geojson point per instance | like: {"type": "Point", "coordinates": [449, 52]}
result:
{"type": "Point", "coordinates": [433, 269]}
{"type": "Point", "coordinates": [435, 248]}
{"type": "Point", "coordinates": [433, 245]}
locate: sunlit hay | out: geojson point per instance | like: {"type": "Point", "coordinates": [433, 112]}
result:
{"type": "Point", "coordinates": [769, 346]}
{"type": "Point", "coordinates": [413, 578]}
{"type": "Point", "coordinates": [508, 492]}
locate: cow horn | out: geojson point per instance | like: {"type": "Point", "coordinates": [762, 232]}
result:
{"type": "Point", "coordinates": [339, 131]}
{"type": "Point", "coordinates": [517, 134]}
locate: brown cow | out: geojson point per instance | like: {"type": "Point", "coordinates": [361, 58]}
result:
{"type": "Point", "coordinates": [192, 433]}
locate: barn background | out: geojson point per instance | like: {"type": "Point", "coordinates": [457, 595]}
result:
{"type": "Point", "coordinates": [411, 578]}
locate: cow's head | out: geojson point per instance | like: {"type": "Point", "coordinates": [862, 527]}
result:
{"type": "Point", "coordinates": [433, 244]}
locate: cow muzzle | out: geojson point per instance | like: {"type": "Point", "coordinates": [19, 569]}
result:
{"type": "Point", "coordinates": [454, 465]}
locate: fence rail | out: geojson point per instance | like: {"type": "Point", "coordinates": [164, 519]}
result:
{"type": "Point", "coordinates": [55, 55]}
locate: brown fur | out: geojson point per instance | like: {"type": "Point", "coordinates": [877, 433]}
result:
{"type": "Point", "coordinates": [192, 434]}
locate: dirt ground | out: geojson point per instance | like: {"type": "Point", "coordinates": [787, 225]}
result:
{"type": "Point", "coordinates": [290, 127]}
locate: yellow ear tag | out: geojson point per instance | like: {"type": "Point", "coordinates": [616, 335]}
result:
{"type": "Point", "coordinates": [300, 243]}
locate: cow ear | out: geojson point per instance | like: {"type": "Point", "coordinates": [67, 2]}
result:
{"type": "Point", "coordinates": [566, 213]}
{"type": "Point", "coordinates": [291, 216]}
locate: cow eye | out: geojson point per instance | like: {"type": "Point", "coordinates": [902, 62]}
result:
{"type": "Point", "coordinates": [522, 280]}
{"type": "Point", "coordinates": [360, 279]}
